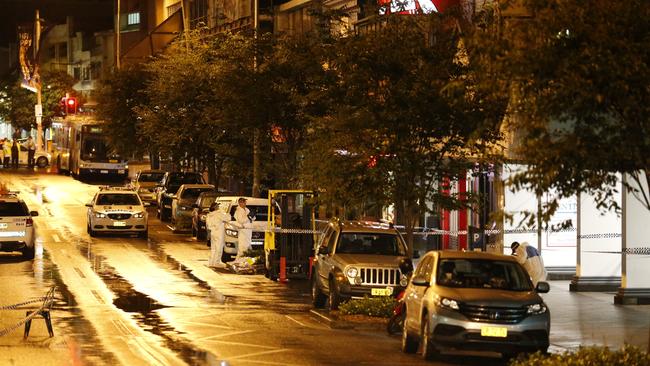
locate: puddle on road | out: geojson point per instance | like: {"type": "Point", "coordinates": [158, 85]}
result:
{"type": "Point", "coordinates": [142, 308]}
{"type": "Point", "coordinates": [84, 339]}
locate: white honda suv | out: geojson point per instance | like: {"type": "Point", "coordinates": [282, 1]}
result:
{"type": "Point", "coordinates": [117, 210]}
{"type": "Point", "coordinates": [17, 232]}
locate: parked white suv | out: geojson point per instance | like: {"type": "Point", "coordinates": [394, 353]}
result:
{"type": "Point", "coordinates": [259, 206]}
{"type": "Point", "coordinates": [17, 233]}
{"type": "Point", "coordinates": [117, 210]}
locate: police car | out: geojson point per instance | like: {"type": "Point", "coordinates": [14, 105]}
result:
{"type": "Point", "coordinates": [117, 210]}
{"type": "Point", "coordinates": [17, 232]}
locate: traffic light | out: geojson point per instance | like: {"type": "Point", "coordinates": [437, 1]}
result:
{"type": "Point", "coordinates": [70, 105]}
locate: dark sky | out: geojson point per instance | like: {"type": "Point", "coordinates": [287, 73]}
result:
{"type": "Point", "coordinates": [90, 15]}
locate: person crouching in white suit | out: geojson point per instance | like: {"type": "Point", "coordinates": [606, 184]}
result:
{"type": "Point", "coordinates": [244, 221]}
{"type": "Point", "coordinates": [215, 221]}
{"type": "Point", "coordinates": [529, 258]}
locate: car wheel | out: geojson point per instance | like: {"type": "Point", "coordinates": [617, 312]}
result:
{"type": "Point", "coordinates": [334, 296]}
{"type": "Point", "coordinates": [318, 298]}
{"type": "Point", "coordinates": [29, 252]}
{"type": "Point", "coordinates": [409, 343]}
{"type": "Point", "coordinates": [429, 351]}
{"type": "Point", "coordinates": [91, 232]}
{"type": "Point", "coordinates": [144, 234]}
{"type": "Point", "coordinates": [41, 162]}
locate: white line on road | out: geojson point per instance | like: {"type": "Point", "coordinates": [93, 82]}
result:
{"type": "Point", "coordinates": [56, 238]}
{"type": "Point", "coordinates": [258, 354]}
{"type": "Point", "coordinates": [321, 315]}
{"type": "Point", "coordinates": [299, 323]}
{"type": "Point", "coordinates": [224, 335]}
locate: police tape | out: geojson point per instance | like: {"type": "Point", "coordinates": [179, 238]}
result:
{"type": "Point", "coordinates": [630, 251]}
{"type": "Point", "coordinates": [438, 232]}
{"type": "Point", "coordinates": [46, 302]}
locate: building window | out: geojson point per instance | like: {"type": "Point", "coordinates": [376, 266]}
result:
{"type": "Point", "coordinates": [173, 8]}
{"type": "Point", "coordinates": [133, 19]}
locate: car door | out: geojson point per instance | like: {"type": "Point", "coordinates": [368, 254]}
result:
{"type": "Point", "coordinates": [328, 265]}
{"type": "Point", "coordinates": [414, 293]}
{"type": "Point", "coordinates": [321, 258]}
{"type": "Point", "coordinates": [22, 154]}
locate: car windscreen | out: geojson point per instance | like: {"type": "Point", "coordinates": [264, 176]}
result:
{"type": "Point", "coordinates": [175, 182]}
{"type": "Point", "coordinates": [13, 209]}
{"type": "Point", "coordinates": [261, 212]}
{"type": "Point", "coordinates": [370, 243]}
{"type": "Point", "coordinates": [111, 199]}
{"type": "Point", "coordinates": [150, 177]}
{"type": "Point", "coordinates": [94, 148]}
{"type": "Point", "coordinates": [482, 273]}
{"type": "Point", "coordinates": [193, 193]}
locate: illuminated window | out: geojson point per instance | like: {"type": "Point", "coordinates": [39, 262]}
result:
{"type": "Point", "coordinates": [133, 19]}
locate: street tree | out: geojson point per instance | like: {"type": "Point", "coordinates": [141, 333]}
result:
{"type": "Point", "coordinates": [578, 76]}
{"type": "Point", "coordinates": [118, 96]}
{"type": "Point", "coordinates": [17, 103]}
{"type": "Point", "coordinates": [405, 119]}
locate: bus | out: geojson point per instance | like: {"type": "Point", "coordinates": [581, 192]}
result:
{"type": "Point", "coordinates": [81, 149]}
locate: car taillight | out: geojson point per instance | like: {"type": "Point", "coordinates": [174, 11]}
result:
{"type": "Point", "coordinates": [29, 222]}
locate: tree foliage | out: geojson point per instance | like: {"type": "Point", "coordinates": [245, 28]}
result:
{"type": "Point", "coordinates": [578, 75]}
{"type": "Point", "coordinates": [404, 116]}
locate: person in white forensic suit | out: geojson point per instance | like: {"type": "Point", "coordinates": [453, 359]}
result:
{"type": "Point", "coordinates": [245, 223]}
{"type": "Point", "coordinates": [215, 221]}
{"type": "Point", "coordinates": [529, 258]}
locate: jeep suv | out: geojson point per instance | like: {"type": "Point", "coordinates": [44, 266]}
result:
{"type": "Point", "coordinates": [354, 259]}
{"type": "Point", "coordinates": [17, 232]}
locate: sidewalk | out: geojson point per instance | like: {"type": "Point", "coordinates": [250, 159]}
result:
{"type": "Point", "coordinates": [591, 318]}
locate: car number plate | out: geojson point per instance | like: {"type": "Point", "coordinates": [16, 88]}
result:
{"type": "Point", "coordinates": [112, 161]}
{"type": "Point", "coordinates": [120, 171]}
{"type": "Point", "coordinates": [104, 171]}
{"type": "Point", "coordinates": [3, 225]}
{"type": "Point", "coordinates": [119, 223]}
{"type": "Point", "coordinates": [494, 332]}
{"type": "Point", "coordinates": [381, 291]}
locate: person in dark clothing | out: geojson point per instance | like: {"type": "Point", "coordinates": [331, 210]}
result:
{"type": "Point", "coordinates": [14, 154]}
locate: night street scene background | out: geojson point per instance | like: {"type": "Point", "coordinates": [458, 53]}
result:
{"type": "Point", "coordinates": [320, 182]}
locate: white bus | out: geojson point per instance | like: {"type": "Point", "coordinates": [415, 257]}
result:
{"type": "Point", "coordinates": [80, 148]}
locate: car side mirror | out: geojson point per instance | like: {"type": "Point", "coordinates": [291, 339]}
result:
{"type": "Point", "coordinates": [323, 251]}
{"type": "Point", "coordinates": [89, 204]}
{"type": "Point", "coordinates": [420, 281]}
{"type": "Point", "coordinates": [542, 287]}
{"type": "Point", "coordinates": [33, 213]}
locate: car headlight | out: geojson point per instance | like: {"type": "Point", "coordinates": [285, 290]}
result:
{"type": "Point", "coordinates": [536, 309]}
{"type": "Point", "coordinates": [184, 208]}
{"type": "Point", "coordinates": [352, 272]}
{"type": "Point", "coordinates": [138, 215]}
{"type": "Point", "coordinates": [404, 281]}
{"type": "Point", "coordinates": [203, 217]}
{"type": "Point", "coordinates": [100, 215]}
{"type": "Point", "coordinates": [446, 303]}
{"type": "Point", "coordinates": [143, 190]}
{"type": "Point", "coordinates": [231, 232]}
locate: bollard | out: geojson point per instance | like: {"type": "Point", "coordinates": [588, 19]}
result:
{"type": "Point", "coordinates": [283, 269]}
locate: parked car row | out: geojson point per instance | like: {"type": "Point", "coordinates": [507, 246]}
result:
{"type": "Point", "coordinates": [452, 300]}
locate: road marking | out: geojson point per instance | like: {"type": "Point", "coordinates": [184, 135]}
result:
{"type": "Point", "coordinates": [258, 354]}
{"type": "Point", "coordinates": [208, 338]}
{"type": "Point", "coordinates": [320, 315]}
{"type": "Point", "coordinates": [81, 274]}
{"type": "Point", "coordinates": [206, 325]}
{"type": "Point", "coordinates": [56, 238]}
{"type": "Point", "coordinates": [298, 322]}
{"type": "Point", "coordinates": [98, 297]}
{"type": "Point", "coordinates": [242, 344]}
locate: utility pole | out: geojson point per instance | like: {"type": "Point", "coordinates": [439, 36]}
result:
{"type": "Point", "coordinates": [256, 133]}
{"type": "Point", "coordinates": [38, 108]}
{"type": "Point", "coordinates": [117, 36]}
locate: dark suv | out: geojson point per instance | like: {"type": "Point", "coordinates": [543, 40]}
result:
{"type": "Point", "coordinates": [168, 187]}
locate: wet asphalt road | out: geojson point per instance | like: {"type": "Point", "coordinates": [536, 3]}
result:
{"type": "Point", "coordinates": [128, 301]}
